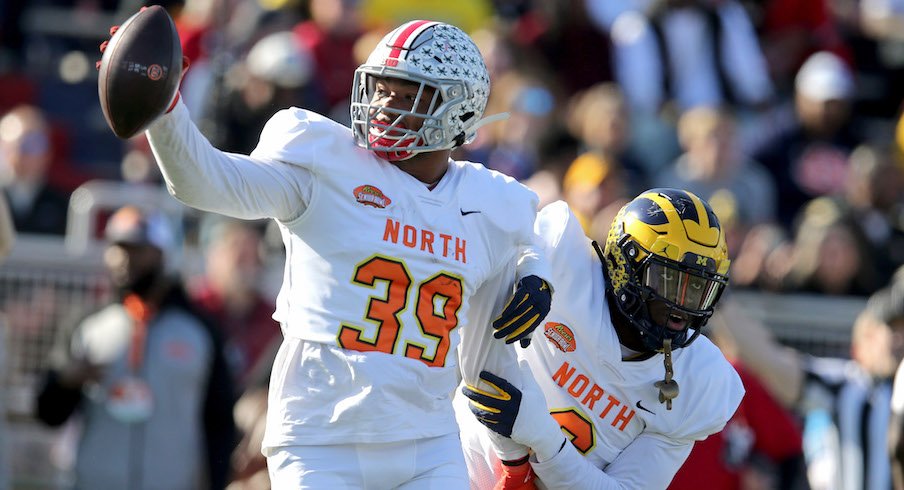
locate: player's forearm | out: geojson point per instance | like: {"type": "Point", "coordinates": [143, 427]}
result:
{"type": "Point", "coordinates": [569, 470]}
{"type": "Point", "coordinates": [206, 178]}
{"type": "Point", "coordinates": [532, 262]}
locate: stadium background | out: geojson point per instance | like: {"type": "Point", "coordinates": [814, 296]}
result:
{"type": "Point", "coordinates": [545, 55]}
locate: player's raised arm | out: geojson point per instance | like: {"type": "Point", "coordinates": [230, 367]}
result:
{"type": "Point", "coordinates": [201, 176]}
{"type": "Point", "coordinates": [138, 84]}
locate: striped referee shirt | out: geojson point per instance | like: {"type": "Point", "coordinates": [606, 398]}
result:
{"type": "Point", "coordinates": [846, 415]}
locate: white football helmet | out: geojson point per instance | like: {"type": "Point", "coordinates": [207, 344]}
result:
{"type": "Point", "coordinates": [432, 54]}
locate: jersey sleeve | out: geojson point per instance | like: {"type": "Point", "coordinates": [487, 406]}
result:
{"type": "Point", "coordinates": [717, 393]}
{"type": "Point", "coordinates": [532, 258]}
{"type": "Point", "coordinates": [479, 351]}
{"type": "Point", "coordinates": [512, 208]}
{"type": "Point", "coordinates": [203, 177]}
{"type": "Point", "coordinates": [650, 461]}
{"type": "Point", "coordinates": [565, 244]}
{"type": "Point", "coordinates": [302, 138]}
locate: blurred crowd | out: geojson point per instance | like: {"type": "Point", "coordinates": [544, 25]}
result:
{"type": "Point", "coordinates": [786, 115]}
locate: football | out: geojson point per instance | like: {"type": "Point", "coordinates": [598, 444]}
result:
{"type": "Point", "coordinates": [140, 71]}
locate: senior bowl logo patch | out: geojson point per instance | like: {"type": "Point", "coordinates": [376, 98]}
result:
{"type": "Point", "coordinates": [369, 195]}
{"type": "Point", "coordinates": [560, 335]}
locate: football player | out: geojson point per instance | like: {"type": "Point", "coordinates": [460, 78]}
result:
{"type": "Point", "coordinates": [387, 243]}
{"type": "Point", "coordinates": [623, 370]}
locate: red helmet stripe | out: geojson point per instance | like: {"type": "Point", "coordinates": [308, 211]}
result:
{"type": "Point", "coordinates": [407, 35]}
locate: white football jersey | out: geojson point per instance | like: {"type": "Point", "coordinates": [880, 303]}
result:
{"type": "Point", "coordinates": [605, 404]}
{"type": "Point", "coordinates": [379, 271]}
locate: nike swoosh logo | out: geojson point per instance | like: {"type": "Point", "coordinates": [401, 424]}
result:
{"type": "Point", "coordinates": [465, 213]}
{"type": "Point", "coordinates": [644, 408]}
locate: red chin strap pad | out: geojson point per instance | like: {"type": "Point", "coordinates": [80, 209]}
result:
{"type": "Point", "coordinates": [393, 156]}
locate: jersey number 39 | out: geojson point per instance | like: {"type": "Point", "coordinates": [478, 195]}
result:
{"type": "Point", "coordinates": [384, 312]}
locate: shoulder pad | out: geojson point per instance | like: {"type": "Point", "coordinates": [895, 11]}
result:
{"type": "Point", "coordinates": [304, 138]}
{"type": "Point", "coordinates": [509, 204]}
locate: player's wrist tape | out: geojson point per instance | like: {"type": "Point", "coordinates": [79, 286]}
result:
{"type": "Point", "coordinates": [517, 462]}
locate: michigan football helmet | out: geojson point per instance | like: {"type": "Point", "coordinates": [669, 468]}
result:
{"type": "Point", "coordinates": [430, 54]}
{"type": "Point", "coordinates": [666, 245]}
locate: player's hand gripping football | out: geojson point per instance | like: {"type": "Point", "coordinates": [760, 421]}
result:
{"type": "Point", "coordinates": [186, 62]}
{"type": "Point", "coordinates": [140, 71]}
{"type": "Point", "coordinates": [520, 416]}
{"type": "Point", "coordinates": [525, 310]}
{"type": "Point", "coordinates": [516, 475]}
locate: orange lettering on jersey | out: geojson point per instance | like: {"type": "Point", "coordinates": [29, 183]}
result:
{"type": "Point", "coordinates": [409, 236]}
{"type": "Point", "coordinates": [578, 386]}
{"type": "Point", "coordinates": [446, 239]}
{"type": "Point", "coordinates": [594, 396]}
{"type": "Point", "coordinates": [612, 402]}
{"type": "Point", "coordinates": [413, 237]}
{"type": "Point", "coordinates": [621, 420]}
{"type": "Point", "coordinates": [460, 251]}
{"type": "Point", "coordinates": [587, 393]}
{"type": "Point", "coordinates": [563, 374]}
{"type": "Point", "coordinates": [427, 241]}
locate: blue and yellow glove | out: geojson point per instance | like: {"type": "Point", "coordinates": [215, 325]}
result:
{"type": "Point", "coordinates": [525, 310]}
{"type": "Point", "coordinates": [520, 416]}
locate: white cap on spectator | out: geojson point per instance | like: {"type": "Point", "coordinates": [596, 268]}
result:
{"type": "Point", "coordinates": [825, 76]}
{"type": "Point", "coordinates": [280, 59]}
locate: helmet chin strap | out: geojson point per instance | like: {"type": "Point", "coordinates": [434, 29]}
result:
{"type": "Point", "coordinates": [668, 388]}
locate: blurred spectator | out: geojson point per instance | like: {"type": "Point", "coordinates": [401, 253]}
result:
{"type": "Point", "coordinates": [873, 31]}
{"type": "Point", "coordinates": [146, 374]}
{"type": "Point", "coordinates": [760, 447]}
{"type": "Point", "coordinates": [7, 239]}
{"type": "Point", "coordinates": [276, 74]}
{"type": "Point", "coordinates": [330, 36]}
{"type": "Point", "coordinates": [25, 157]}
{"type": "Point", "coordinates": [7, 231]}
{"type": "Point", "coordinates": [712, 162]}
{"type": "Point", "coordinates": [249, 465]}
{"type": "Point", "coordinates": [560, 35]}
{"type": "Point", "coordinates": [874, 198]}
{"type": "Point", "coordinates": [468, 15]}
{"type": "Point", "coordinates": [138, 165]}
{"type": "Point", "coordinates": [689, 52]}
{"type": "Point", "coordinates": [5, 470]}
{"type": "Point", "coordinates": [763, 258]}
{"type": "Point", "coordinates": [591, 184]}
{"type": "Point", "coordinates": [790, 31]}
{"type": "Point", "coordinates": [600, 119]}
{"type": "Point", "coordinates": [512, 146]}
{"type": "Point", "coordinates": [228, 292]}
{"type": "Point", "coordinates": [896, 429]}
{"type": "Point", "coordinates": [844, 402]}
{"type": "Point", "coordinates": [810, 158]}
{"type": "Point", "coordinates": [831, 255]}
